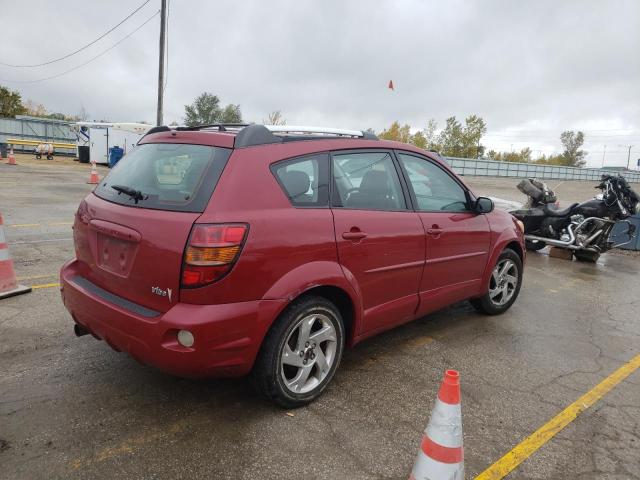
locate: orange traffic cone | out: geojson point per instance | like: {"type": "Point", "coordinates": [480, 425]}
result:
{"type": "Point", "coordinates": [94, 179]}
{"type": "Point", "coordinates": [12, 159]}
{"type": "Point", "coordinates": [8, 282]}
{"type": "Point", "coordinates": [441, 454]}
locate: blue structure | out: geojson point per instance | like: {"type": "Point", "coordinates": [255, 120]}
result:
{"type": "Point", "coordinates": [115, 154]}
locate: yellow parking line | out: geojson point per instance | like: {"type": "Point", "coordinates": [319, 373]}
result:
{"type": "Point", "coordinates": [537, 439]}
{"type": "Point", "coordinates": [45, 285]}
{"type": "Point", "coordinates": [51, 224]}
{"type": "Point", "coordinates": [129, 446]}
{"type": "Point", "coordinates": [33, 277]}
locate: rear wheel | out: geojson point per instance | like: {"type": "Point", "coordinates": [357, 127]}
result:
{"type": "Point", "coordinates": [504, 285]}
{"type": "Point", "coordinates": [586, 256]}
{"type": "Point", "coordinates": [534, 245]}
{"type": "Point", "coordinates": [301, 353]}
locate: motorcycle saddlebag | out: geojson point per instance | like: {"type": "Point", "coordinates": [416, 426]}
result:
{"type": "Point", "coordinates": [536, 190]}
{"type": "Point", "coordinates": [527, 187]}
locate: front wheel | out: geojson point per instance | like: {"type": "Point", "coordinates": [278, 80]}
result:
{"type": "Point", "coordinates": [504, 285]}
{"type": "Point", "coordinates": [300, 353]}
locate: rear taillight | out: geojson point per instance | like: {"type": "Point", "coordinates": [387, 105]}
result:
{"type": "Point", "coordinates": [211, 252]}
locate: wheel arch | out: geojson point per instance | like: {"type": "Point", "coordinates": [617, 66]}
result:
{"type": "Point", "coordinates": [343, 302]}
{"type": "Point", "coordinates": [516, 247]}
{"type": "Point", "coordinates": [507, 239]}
{"type": "Point", "coordinates": [326, 279]}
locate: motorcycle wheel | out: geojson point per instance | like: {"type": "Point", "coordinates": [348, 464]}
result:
{"type": "Point", "coordinates": [586, 256]}
{"type": "Point", "coordinates": [534, 246]}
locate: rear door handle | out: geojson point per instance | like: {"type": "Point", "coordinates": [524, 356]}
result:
{"type": "Point", "coordinates": [353, 235]}
{"type": "Point", "coordinates": [434, 231]}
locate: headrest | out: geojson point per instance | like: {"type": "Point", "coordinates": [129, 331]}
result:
{"type": "Point", "coordinates": [295, 182]}
{"type": "Point", "coordinates": [374, 181]}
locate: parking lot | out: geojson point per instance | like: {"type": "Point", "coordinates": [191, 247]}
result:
{"type": "Point", "coordinates": [74, 408]}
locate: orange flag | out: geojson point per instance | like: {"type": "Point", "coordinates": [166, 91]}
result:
{"type": "Point", "coordinates": [391, 85]}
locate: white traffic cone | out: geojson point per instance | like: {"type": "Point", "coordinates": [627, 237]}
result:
{"type": "Point", "coordinates": [8, 283]}
{"type": "Point", "coordinates": [441, 456]}
{"type": "Point", "coordinates": [94, 179]}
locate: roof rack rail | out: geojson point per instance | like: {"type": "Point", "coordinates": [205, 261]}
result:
{"type": "Point", "coordinates": [264, 134]}
{"type": "Point", "coordinates": [316, 130]}
{"type": "Point", "coordinates": [222, 127]}
{"type": "Point", "coordinates": [159, 128]}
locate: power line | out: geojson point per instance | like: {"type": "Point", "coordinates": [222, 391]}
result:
{"type": "Point", "coordinates": [80, 49]}
{"type": "Point", "coordinates": [88, 61]}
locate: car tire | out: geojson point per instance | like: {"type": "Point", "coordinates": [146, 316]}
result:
{"type": "Point", "coordinates": [586, 256]}
{"type": "Point", "coordinates": [504, 286]}
{"type": "Point", "coordinates": [534, 246]}
{"type": "Point", "coordinates": [300, 353]}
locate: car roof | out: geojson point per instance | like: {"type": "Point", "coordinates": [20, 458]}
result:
{"type": "Point", "coordinates": [240, 136]}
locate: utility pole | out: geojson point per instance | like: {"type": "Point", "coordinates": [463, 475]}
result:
{"type": "Point", "coordinates": [163, 26]}
{"type": "Point", "coordinates": [603, 154]}
{"type": "Point", "coordinates": [629, 147]}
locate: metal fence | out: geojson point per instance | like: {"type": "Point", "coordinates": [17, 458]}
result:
{"type": "Point", "coordinates": [44, 129]}
{"type": "Point", "coordinates": [492, 168]}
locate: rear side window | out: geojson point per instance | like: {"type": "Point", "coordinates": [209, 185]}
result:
{"type": "Point", "coordinates": [165, 176]}
{"type": "Point", "coordinates": [305, 181]}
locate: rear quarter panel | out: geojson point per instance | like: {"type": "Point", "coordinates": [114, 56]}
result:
{"type": "Point", "coordinates": [288, 250]}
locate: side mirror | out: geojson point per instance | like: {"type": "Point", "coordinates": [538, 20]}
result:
{"type": "Point", "coordinates": [483, 205]}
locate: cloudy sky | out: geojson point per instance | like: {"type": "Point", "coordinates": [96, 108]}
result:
{"type": "Point", "coordinates": [530, 69]}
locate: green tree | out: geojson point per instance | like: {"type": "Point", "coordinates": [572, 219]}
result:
{"type": "Point", "coordinates": [419, 140]}
{"type": "Point", "coordinates": [457, 140]}
{"type": "Point", "coordinates": [523, 156]}
{"type": "Point", "coordinates": [472, 133]}
{"type": "Point", "coordinates": [430, 135]}
{"type": "Point", "coordinates": [450, 139]}
{"type": "Point", "coordinates": [397, 133]}
{"type": "Point", "coordinates": [10, 103]}
{"type": "Point", "coordinates": [231, 114]}
{"type": "Point", "coordinates": [551, 160]}
{"type": "Point", "coordinates": [572, 141]}
{"type": "Point", "coordinates": [206, 109]}
{"type": "Point", "coordinates": [58, 116]}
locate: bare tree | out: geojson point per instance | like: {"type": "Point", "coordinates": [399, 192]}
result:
{"type": "Point", "coordinates": [275, 118]}
{"type": "Point", "coordinates": [82, 114]}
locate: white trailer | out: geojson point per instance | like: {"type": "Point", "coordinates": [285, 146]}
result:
{"type": "Point", "coordinates": [99, 137]}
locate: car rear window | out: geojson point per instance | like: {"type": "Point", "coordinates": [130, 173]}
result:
{"type": "Point", "coordinates": [165, 176]}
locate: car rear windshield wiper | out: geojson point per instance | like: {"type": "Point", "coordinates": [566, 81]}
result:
{"type": "Point", "coordinates": [137, 195]}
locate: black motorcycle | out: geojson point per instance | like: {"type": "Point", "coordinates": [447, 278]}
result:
{"type": "Point", "coordinates": [583, 228]}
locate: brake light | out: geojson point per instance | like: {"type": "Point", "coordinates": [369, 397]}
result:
{"type": "Point", "coordinates": [211, 251]}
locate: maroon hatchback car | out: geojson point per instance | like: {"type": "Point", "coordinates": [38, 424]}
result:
{"type": "Point", "coordinates": [233, 250]}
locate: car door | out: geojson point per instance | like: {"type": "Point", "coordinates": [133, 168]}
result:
{"type": "Point", "coordinates": [457, 238]}
{"type": "Point", "coordinates": [381, 242]}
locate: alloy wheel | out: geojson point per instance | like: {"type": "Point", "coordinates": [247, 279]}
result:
{"type": "Point", "coordinates": [308, 353]}
{"type": "Point", "coordinates": [504, 282]}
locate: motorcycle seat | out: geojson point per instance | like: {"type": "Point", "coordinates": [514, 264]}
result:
{"type": "Point", "coordinates": [559, 213]}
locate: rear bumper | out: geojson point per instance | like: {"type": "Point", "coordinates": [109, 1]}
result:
{"type": "Point", "coordinates": [227, 336]}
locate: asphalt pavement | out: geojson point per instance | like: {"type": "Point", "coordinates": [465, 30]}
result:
{"type": "Point", "coordinates": [72, 408]}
